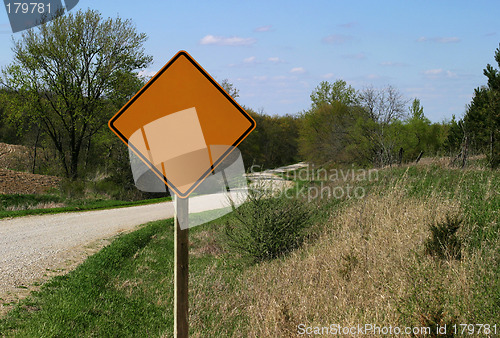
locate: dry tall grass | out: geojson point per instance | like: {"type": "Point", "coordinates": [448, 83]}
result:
{"type": "Point", "coordinates": [43, 205]}
{"type": "Point", "coordinates": [368, 266]}
{"type": "Point", "coordinates": [358, 272]}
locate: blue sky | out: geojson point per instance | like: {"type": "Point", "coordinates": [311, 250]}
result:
{"type": "Point", "coordinates": [276, 52]}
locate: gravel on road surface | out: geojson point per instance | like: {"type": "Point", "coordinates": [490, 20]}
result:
{"type": "Point", "coordinates": [35, 248]}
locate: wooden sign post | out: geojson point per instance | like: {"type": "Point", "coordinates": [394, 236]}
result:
{"type": "Point", "coordinates": [181, 268]}
{"type": "Point", "coordinates": [182, 124]}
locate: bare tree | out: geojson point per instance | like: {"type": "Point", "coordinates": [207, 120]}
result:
{"type": "Point", "coordinates": [384, 106]}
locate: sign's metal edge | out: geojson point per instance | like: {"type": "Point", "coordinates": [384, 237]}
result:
{"type": "Point", "coordinates": [216, 85]}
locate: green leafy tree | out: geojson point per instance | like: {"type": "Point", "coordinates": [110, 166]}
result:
{"type": "Point", "coordinates": [345, 126]}
{"type": "Point", "coordinates": [418, 129]}
{"type": "Point", "coordinates": [482, 118]}
{"type": "Point", "coordinates": [337, 91]}
{"type": "Point", "coordinates": [273, 143]}
{"type": "Point", "coordinates": [8, 132]}
{"type": "Point", "coordinates": [476, 119]}
{"type": "Point", "coordinates": [71, 74]}
{"type": "Point", "coordinates": [251, 146]}
{"type": "Point", "coordinates": [230, 89]}
{"type": "Point", "coordinates": [420, 135]}
{"type": "Point", "coordinates": [334, 133]}
{"type": "Point", "coordinates": [454, 136]}
{"type": "Point", "coordinates": [416, 110]}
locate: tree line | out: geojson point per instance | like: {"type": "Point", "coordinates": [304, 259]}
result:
{"type": "Point", "coordinates": [374, 127]}
{"type": "Point", "coordinates": [69, 76]}
{"type": "Point", "coordinates": [378, 127]}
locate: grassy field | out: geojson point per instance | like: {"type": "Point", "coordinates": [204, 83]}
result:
{"type": "Point", "coordinates": [369, 260]}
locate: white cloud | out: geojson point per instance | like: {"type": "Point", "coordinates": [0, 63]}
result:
{"type": "Point", "coordinates": [336, 39]}
{"type": "Point", "coordinates": [250, 59]}
{"type": "Point", "coordinates": [439, 39]}
{"type": "Point", "coordinates": [451, 74]}
{"type": "Point", "coordinates": [433, 72]}
{"type": "Point", "coordinates": [146, 73]}
{"type": "Point", "coordinates": [275, 60]}
{"type": "Point", "coordinates": [439, 72]}
{"type": "Point", "coordinates": [263, 28]}
{"type": "Point", "coordinates": [297, 70]}
{"type": "Point", "coordinates": [328, 76]}
{"type": "Point", "coordinates": [260, 77]}
{"type": "Point", "coordinates": [393, 64]}
{"type": "Point", "coordinates": [227, 41]}
{"type": "Point", "coordinates": [447, 40]}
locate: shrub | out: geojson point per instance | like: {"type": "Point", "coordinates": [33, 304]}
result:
{"type": "Point", "coordinates": [435, 318]}
{"type": "Point", "coordinates": [444, 242]}
{"type": "Point", "coordinates": [349, 262]}
{"type": "Point", "coordinates": [267, 227]}
{"type": "Point", "coordinates": [72, 189]}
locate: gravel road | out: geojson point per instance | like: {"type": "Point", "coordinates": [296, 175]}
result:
{"type": "Point", "coordinates": [35, 248]}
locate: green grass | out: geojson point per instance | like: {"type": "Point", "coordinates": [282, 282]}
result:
{"type": "Point", "coordinates": [24, 202]}
{"type": "Point", "coordinates": [25, 199]}
{"type": "Point", "coordinates": [110, 294]}
{"type": "Point", "coordinates": [126, 289]}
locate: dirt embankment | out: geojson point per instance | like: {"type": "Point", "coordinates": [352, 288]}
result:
{"type": "Point", "coordinates": [13, 182]}
{"type": "Point", "coordinates": [14, 156]}
{"type": "Point", "coordinates": [17, 182]}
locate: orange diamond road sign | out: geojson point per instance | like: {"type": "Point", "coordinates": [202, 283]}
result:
{"type": "Point", "coordinates": [182, 124]}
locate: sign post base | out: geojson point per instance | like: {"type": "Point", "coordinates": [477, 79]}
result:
{"type": "Point", "coordinates": [181, 268]}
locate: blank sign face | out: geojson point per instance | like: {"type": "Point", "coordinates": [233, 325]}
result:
{"type": "Point", "coordinates": [175, 135]}
{"type": "Point", "coordinates": [182, 124]}
{"type": "Point", "coordinates": [176, 147]}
